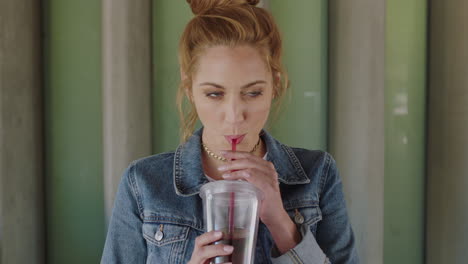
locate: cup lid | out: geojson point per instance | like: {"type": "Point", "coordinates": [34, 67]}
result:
{"type": "Point", "coordinates": [224, 186]}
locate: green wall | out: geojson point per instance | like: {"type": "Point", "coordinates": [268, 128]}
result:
{"type": "Point", "coordinates": [405, 99]}
{"type": "Point", "coordinates": [169, 20]}
{"type": "Point", "coordinates": [73, 131]}
{"type": "Point", "coordinates": [303, 121]}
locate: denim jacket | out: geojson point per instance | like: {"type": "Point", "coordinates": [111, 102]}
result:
{"type": "Point", "coordinates": [160, 193]}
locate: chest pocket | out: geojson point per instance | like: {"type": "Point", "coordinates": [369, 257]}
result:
{"type": "Point", "coordinates": [305, 214]}
{"type": "Point", "coordinates": [166, 242]}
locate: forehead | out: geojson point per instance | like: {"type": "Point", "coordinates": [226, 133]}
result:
{"type": "Point", "coordinates": [231, 62]}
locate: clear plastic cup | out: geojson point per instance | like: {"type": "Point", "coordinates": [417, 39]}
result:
{"type": "Point", "coordinates": [233, 207]}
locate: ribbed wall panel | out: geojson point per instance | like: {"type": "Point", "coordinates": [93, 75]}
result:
{"type": "Point", "coordinates": [357, 126]}
{"type": "Point", "coordinates": [73, 131]}
{"type": "Point", "coordinates": [21, 145]}
{"type": "Point", "coordinates": [447, 160]}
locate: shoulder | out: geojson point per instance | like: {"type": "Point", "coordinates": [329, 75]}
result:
{"type": "Point", "coordinates": [318, 161]}
{"type": "Point", "coordinates": [150, 177]}
{"type": "Point", "coordinates": [153, 159]}
{"type": "Point", "coordinates": [319, 166]}
{"type": "Point", "coordinates": [148, 170]}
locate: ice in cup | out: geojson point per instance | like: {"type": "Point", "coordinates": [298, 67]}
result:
{"type": "Point", "coordinates": [233, 207]}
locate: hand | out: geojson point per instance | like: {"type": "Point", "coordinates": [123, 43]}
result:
{"type": "Point", "coordinates": [204, 251]}
{"type": "Point", "coordinates": [262, 174]}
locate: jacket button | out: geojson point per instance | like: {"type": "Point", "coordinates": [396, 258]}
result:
{"type": "Point", "coordinates": [298, 218]}
{"type": "Point", "coordinates": [159, 235]}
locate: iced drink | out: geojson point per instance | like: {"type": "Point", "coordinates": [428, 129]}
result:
{"type": "Point", "coordinates": [239, 228]}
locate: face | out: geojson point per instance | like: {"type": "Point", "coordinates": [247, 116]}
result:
{"type": "Point", "coordinates": [232, 90]}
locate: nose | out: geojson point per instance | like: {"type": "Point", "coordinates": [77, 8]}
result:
{"type": "Point", "coordinates": [234, 111]}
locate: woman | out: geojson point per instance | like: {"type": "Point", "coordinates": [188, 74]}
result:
{"type": "Point", "coordinates": [230, 62]}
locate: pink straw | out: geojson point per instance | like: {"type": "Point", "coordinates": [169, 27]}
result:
{"type": "Point", "coordinates": [231, 202]}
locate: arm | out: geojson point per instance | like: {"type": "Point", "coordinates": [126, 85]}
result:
{"type": "Point", "coordinates": [285, 234]}
{"type": "Point", "coordinates": [295, 246]}
{"type": "Point", "coordinates": [305, 251]}
{"type": "Point", "coordinates": [124, 242]}
{"type": "Point", "coordinates": [334, 233]}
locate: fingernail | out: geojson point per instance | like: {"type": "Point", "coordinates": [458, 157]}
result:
{"type": "Point", "coordinates": [227, 175]}
{"type": "Point", "coordinates": [218, 233]}
{"type": "Point", "coordinates": [228, 248]}
{"type": "Point", "coordinates": [221, 168]}
{"type": "Point", "coordinates": [247, 175]}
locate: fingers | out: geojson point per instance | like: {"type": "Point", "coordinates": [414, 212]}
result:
{"type": "Point", "coordinates": [261, 173]}
{"type": "Point", "coordinates": [229, 154]}
{"type": "Point", "coordinates": [240, 164]}
{"type": "Point", "coordinates": [205, 250]}
{"type": "Point", "coordinates": [208, 252]}
{"type": "Point", "coordinates": [238, 175]}
{"type": "Point", "coordinates": [261, 181]}
{"type": "Point", "coordinates": [208, 238]}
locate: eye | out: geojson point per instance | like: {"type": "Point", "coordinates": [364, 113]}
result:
{"type": "Point", "coordinates": [254, 93]}
{"type": "Point", "coordinates": [214, 95]}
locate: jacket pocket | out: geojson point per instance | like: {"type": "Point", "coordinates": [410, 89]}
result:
{"type": "Point", "coordinates": [166, 242]}
{"type": "Point", "coordinates": [305, 214]}
{"type": "Point", "coordinates": [161, 234]}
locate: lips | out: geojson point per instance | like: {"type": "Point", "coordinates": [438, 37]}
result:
{"type": "Point", "coordinates": [236, 139]}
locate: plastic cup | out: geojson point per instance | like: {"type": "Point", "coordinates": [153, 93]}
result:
{"type": "Point", "coordinates": [234, 215]}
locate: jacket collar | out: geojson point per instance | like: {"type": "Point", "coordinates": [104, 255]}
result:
{"type": "Point", "coordinates": [188, 170]}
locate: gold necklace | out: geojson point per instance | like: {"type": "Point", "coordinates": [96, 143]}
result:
{"type": "Point", "coordinates": [213, 155]}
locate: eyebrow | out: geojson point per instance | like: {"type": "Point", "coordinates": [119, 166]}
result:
{"type": "Point", "coordinates": [243, 87]}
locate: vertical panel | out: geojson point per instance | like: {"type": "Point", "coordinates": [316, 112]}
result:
{"type": "Point", "coordinates": [169, 20]}
{"type": "Point", "coordinates": [405, 131]}
{"type": "Point", "coordinates": [357, 81]}
{"type": "Point", "coordinates": [21, 146]}
{"type": "Point", "coordinates": [303, 24]}
{"type": "Point", "coordinates": [74, 184]}
{"type": "Point", "coordinates": [447, 213]}
{"type": "Point", "coordinates": [126, 88]}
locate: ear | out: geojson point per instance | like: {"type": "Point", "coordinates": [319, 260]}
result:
{"type": "Point", "coordinates": [277, 77]}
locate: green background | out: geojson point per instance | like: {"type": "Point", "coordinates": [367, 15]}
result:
{"type": "Point", "coordinates": [73, 131]}
{"type": "Point", "coordinates": [305, 58]}
{"type": "Point", "coordinates": [405, 97]}
{"type": "Point", "coordinates": [169, 20]}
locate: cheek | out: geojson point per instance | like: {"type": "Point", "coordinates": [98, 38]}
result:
{"type": "Point", "coordinates": [206, 111]}
{"type": "Point", "coordinates": [260, 111]}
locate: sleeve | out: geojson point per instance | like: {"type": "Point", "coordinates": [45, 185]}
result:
{"type": "Point", "coordinates": [334, 241]}
{"type": "Point", "coordinates": [334, 233]}
{"type": "Point", "coordinates": [124, 241]}
{"type": "Point", "coordinates": [306, 252]}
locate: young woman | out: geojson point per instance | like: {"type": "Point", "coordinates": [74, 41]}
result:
{"type": "Point", "coordinates": [230, 63]}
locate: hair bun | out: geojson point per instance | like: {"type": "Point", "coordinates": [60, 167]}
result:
{"type": "Point", "coordinates": [252, 2]}
{"type": "Point", "coordinates": [201, 6]}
